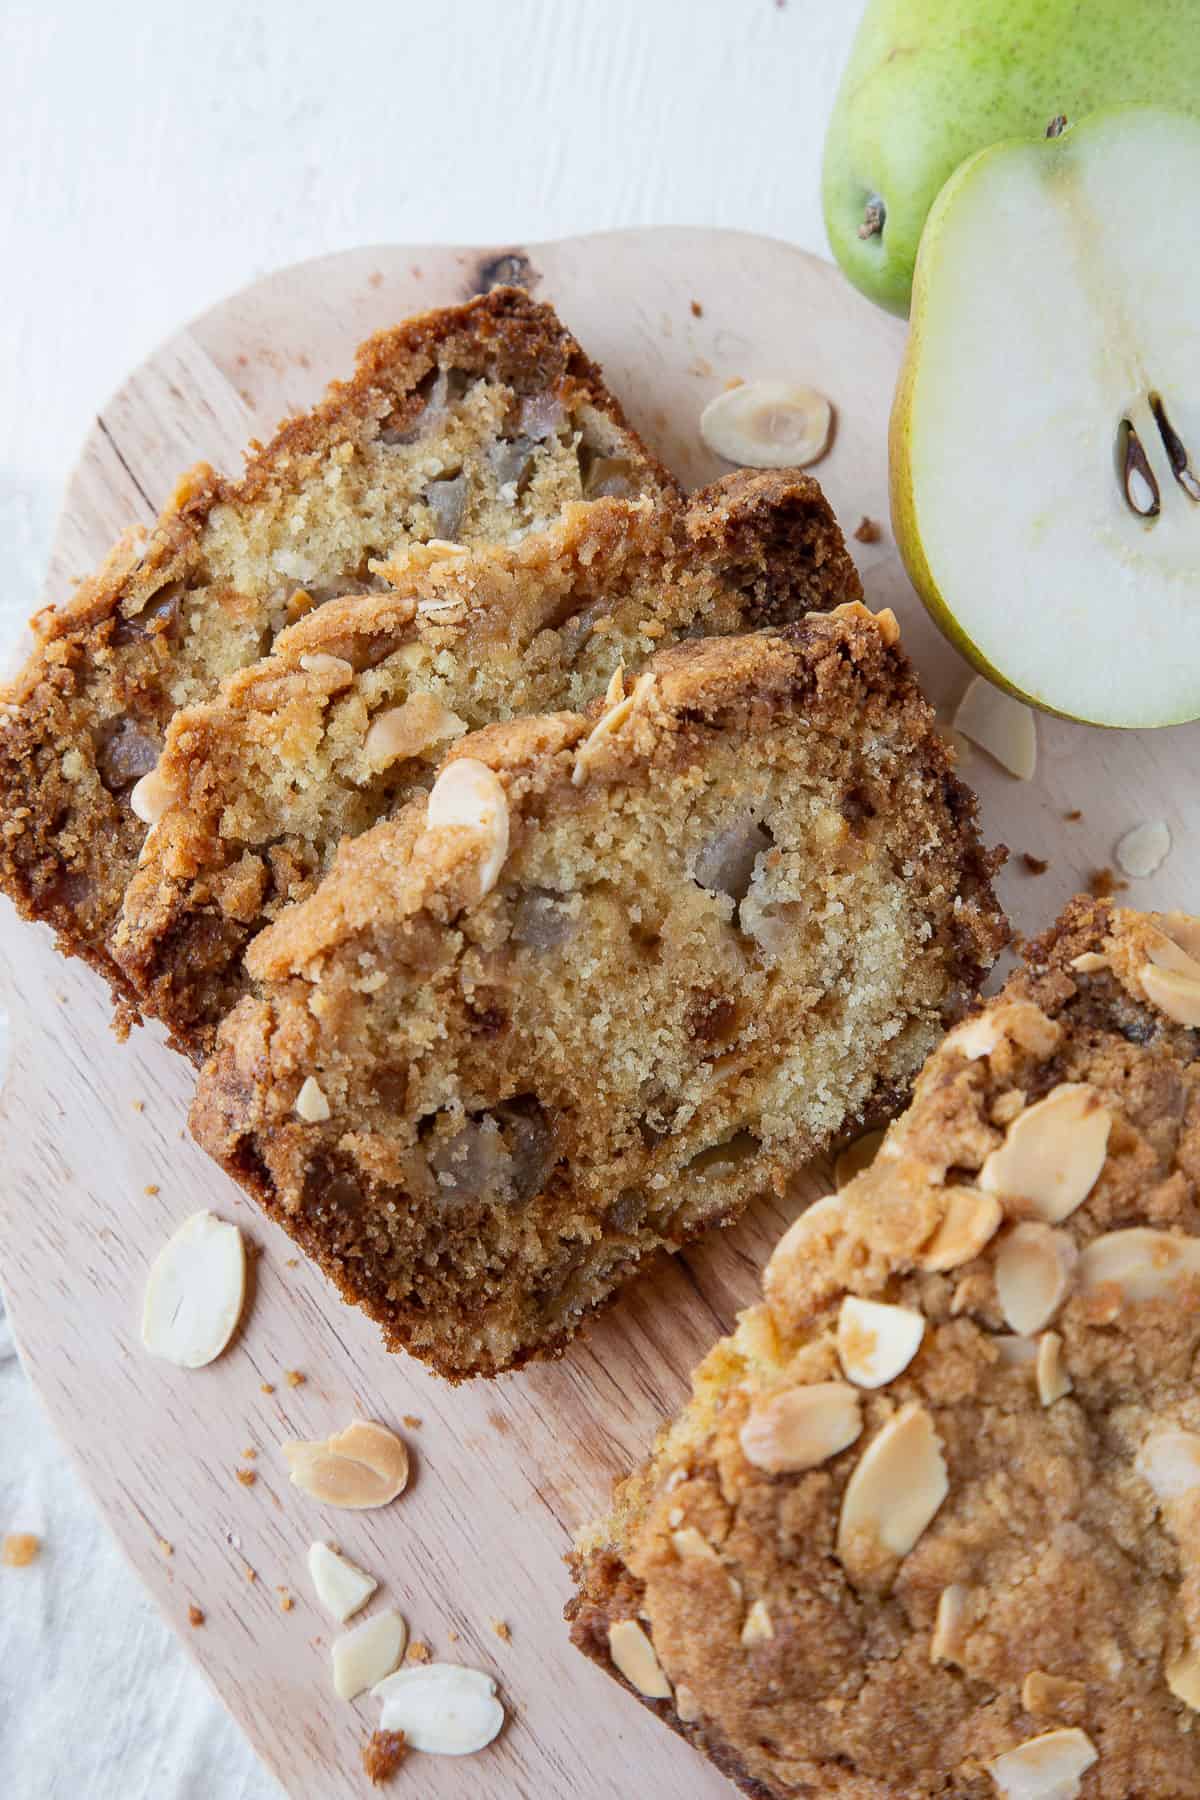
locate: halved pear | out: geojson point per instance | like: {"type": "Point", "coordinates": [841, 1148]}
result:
{"type": "Point", "coordinates": [1045, 436]}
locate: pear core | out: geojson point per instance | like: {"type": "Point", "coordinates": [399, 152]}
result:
{"type": "Point", "coordinates": [1046, 430]}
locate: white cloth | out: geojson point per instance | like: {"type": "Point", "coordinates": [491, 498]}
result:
{"type": "Point", "coordinates": [154, 159]}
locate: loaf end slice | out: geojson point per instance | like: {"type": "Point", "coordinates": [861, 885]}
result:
{"type": "Point", "coordinates": [947, 1472]}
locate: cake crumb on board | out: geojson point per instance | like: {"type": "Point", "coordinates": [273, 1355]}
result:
{"type": "Point", "coordinates": [418, 1652]}
{"type": "Point", "coordinates": [295, 1378]}
{"type": "Point", "coordinates": [868, 531]}
{"type": "Point", "coordinates": [382, 1755]}
{"type": "Point", "coordinates": [195, 1615]}
{"type": "Point", "coordinates": [502, 1630]}
{"type": "Point", "coordinates": [1033, 865]}
{"type": "Point", "coordinates": [247, 1477]}
{"type": "Point", "coordinates": [20, 1549]}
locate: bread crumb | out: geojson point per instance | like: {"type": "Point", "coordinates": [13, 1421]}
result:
{"type": "Point", "coordinates": [697, 310]}
{"type": "Point", "coordinates": [382, 1755]}
{"type": "Point", "coordinates": [267, 1387]}
{"type": "Point", "coordinates": [1035, 865]}
{"type": "Point", "coordinates": [411, 1420]}
{"type": "Point", "coordinates": [418, 1652]}
{"type": "Point", "coordinates": [502, 1630]}
{"type": "Point", "coordinates": [295, 1378]}
{"type": "Point", "coordinates": [151, 1188]}
{"type": "Point", "coordinates": [20, 1549]}
{"type": "Point", "coordinates": [247, 1477]}
{"type": "Point", "coordinates": [195, 1616]}
{"type": "Point", "coordinates": [1102, 884]}
{"type": "Point", "coordinates": [868, 531]}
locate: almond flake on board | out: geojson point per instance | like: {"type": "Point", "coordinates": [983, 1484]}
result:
{"type": "Point", "coordinates": [768, 425]}
{"type": "Point", "coordinates": [364, 1656]}
{"type": "Point", "coordinates": [1144, 849]}
{"type": "Point", "coordinates": [195, 1292]}
{"type": "Point", "coordinates": [364, 1466]}
{"type": "Point", "coordinates": [340, 1585]}
{"type": "Point", "coordinates": [1002, 726]}
{"type": "Point", "coordinates": [443, 1709]}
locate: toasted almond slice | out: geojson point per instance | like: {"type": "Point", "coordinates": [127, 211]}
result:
{"type": "Point", "coordinates": [855, 1158]}
{"type": "Point", "coordinates": [1144, 849]}
{"type": "Point", "coordinates": [1183, 929]}
{"type": "Point", "coordinates": [768, 425]}
{"type": "Point", "coordinates": [1049, 1767]}
{"type": "Point", "coordinates": [442, 1708]}
{"type": "Point", "coordinates": [195, 1292]}
{"type": "Point", "coordinates": [691, 1543]}
{"type": "Point", "coordinates": [340, 1585]}
{"type": "Point", "coordinates": [897, 1487]}
{"type": "Point", "coordinates": [636, 1658]}
{"type": "Point", "coordinates": [1002, 726]}
{"type": "Point", "coordinates": [801, 1427]}
{"type": "Point", "coordinates": [1034, 1266]}
{"type": "Point", "coordinates": [1141, 1263]}
{"type": "Point", "coordinates": [1053, 1382]}
{"type": "Point", "coordinates": [152, 796]}
{"type": "Point", "coordinates": [606, 726]}
{"type": "Point", "coordinates": [1044, 1695]}
{"type": "Point", "coordinates": [949, 1627]}
{"type": "Point", "coordinates": [1016, 1352]}
{"type": "Point", "coordinates": [365, 1655]}
{"type": "Point", "coordinates": [406, 730]}
{"type": "Point", "coordinates": [1051, 1155]}
{"type": "Point", "coordinates": [1183, 1677]}
{"type": "Point", "coordinates": [875, 1342]}
{"type": "Point", "coordinates": [1018, 1020]}
{"type": "Point", "coordinates": [758, 1628]}
{"type": "Point", "coordinates": [687, 1705]}
{"type": "Point", "coordinates": [365, 1465]}
{"type": "Point", "coordinates": [1163, 951]}
{"type": "Point", "coordinates": [1090, 963]}
{"type": "Point", "coordinates": [969, 1223]}
{"type": "Point", "coordinates": [311, 1104]}
{"type": "Point", "coordinates": [1007, 1106]}
{"type": "Point", "coordinates": [333, 669]}
{"type": "Point", "coordinates": [1169, 1460]}
{"type": "Point", "coordinates": [468, 793]}
{"type": "Point", "coordinates": [806, 1246]}
{"type": "Point", "coordinates": [1175, 994]}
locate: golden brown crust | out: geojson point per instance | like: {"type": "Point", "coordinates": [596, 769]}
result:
{"type": "Point", "coordinates": [275, 769]}
{"type": "Point", "coordinates": [629, 936]}
{"type": "Point", "coordinates": [1050, 1585]}
{"type": "Point", "coordinates": [87, 714]}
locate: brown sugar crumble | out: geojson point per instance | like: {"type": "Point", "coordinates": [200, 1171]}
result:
{"type": "Point", "coordinates": [382, 1755]}
{"type": "Point", "coordinates": [286, 1602]}
{"type": "Point", "coordinates": [1102, 883]}
{"type": "Point", "coordinates": [1034, 865]}
{"type": "Point", "coordinates": [418, 1652]}
{"type": "Point", "coordinates": [20, 1549]}
{"type": "Point", "coordinates": [151, 1189]}
{"type": "Point", "coordinates": [868, 531]}
{"type": "Point", "coordinates": [195, 1616]}
{"type": "Point", "coordinates": [247, 1477]}
{"type": "Point", "coordinates": [266, 1387]}
{"type": "Point", "coordinates": [295, 1378]}
{"type": "Point", "coordinates": [697, 310]}
{"type": "Point", "coordinates": [411, 1420]}
{"type": "Point", "coordinates": [502, 1630]}
{"type": "Point", "coordinates": [250, 1452]}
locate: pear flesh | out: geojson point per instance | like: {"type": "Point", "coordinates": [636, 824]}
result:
{"type": "Point", "coordinates": [1045, 438]}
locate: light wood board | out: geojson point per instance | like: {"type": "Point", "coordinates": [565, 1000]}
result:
{"type": "Point", "coordinates": [504, 1471]}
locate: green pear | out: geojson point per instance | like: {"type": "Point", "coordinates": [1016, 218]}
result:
{"type": "Point", "coordinates": [1045, 435]}
{"type": "Point", "coordinates": [929, 82]}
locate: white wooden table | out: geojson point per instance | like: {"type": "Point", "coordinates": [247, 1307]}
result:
{"type": "Point", "coordinates": [154, 159]}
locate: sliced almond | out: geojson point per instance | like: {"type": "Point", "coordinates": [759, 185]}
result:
{"type": "Point", "coordinates": [805, 1248]}
{"type": "Point", "coordinates": [1090, 963]}
{"type": "Point", "coordinates": [1007, 1106]}
{"type": "Point", "coordinates": [1165, 952]}
{"type": "Point", "coordinates": [1053, 1382]}
{"type": "Point", "coordinates": [365, 1655]}
{"type": "Point", "coordinates": [195, 1292]}
{"type": "Point", "coordinates": [151, 797]}
{"type": "Point", "coordinates": [1017, 1020]}
{"type": "Point", "coordinates": [635, 1656]}
{"type": "Point", "coordinates": [311, 1104]}
{"type": "Point", "coordinates": [1016, 1352]}
{"type": "Point", "coordinates": [332, 669]}
{"type": "Point", "coordinates": [340, 1585]}
{"type": "Point", "coordinates": [1002, 726]}
{"type": "Point", "coordinates": [875, 1342]}
{"type": "Point", "coordinates": [1175, 994]}
{"type": "Point", "coordinates": [1144, 849]}
{"type": "Point", "coordinates": [1169, 1460]}
{"type": "Point", "coordinates": [1183, 929]}
{"type": "Point", "coordinates": [1045, 1768]}
{"type": "Point", "coordinates": [1051, 1154]}
{"type": "Point", "coordinates": [407, 730]}
{"type": "Point", "coordinates": [758, 1628]}
{"type": "Point", "coordinates": [687, 1704]}
{"type": "Point", "coordinates": [1182, 1676]}
{"type": "Point", "coordinates": [801, 1427]}
{"type": "Point", "coordinates": [897, 1487]}
{"type": "Point", "coordinates": [690, 1543]}
{"type": "Point", "coordinates": [969, 1223]}
{"type": "Point", "coordinates": [1045, 1695]}
{"type": "Point", "coordinates": [768, 425]}
{"type": "Point", "coordinates": [855, 1158]}
{"type": "Point", "coordinates": [470, 794]}
{"type": "Point", "coordinates": [954, 1613]}
{"type": "Point", "coordinates": [606, 726]}
{"type": "Point", "coordinates": [365, 1465]}
{"type": "Point", "coordinates": [442, 1708]}
{"type": "Point", "coordinates": [1142, 1264]}
{"type": "Point", "coordinates": [1034, 1266]}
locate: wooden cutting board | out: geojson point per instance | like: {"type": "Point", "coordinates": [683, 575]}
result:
{"type": "Point", "coordinates": [100, 1168]}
